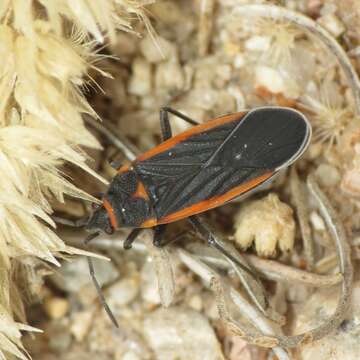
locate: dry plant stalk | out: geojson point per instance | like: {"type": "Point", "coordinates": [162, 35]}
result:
{"type": "Point", "coordinates": [205, 25]}
{"type": "Point", "coordinates": [44, 66]}
{"type": "Point", "coordinates": [303, 217]}
{"type": "Point", "coordinates": [211, 277]}
{"type": "Point", "coordinates": [267, 269]}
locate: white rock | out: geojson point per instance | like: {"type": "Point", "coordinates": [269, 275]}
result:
{"type": "Point", "coordinates": [239, 61]}
{"type": "Point", "coordinates": [351, 181]}
{"type": "Point", "coordinates": [80, 324]}
{"type": "Point", "coordinates": [130, 356]}
{"type": "Point", "coordinates": [124, 291]}
{"type": "Point", "coordinates": [328, 175]}
{"type": "Point", "coordinates": [169, 76]}
{"type": "Point", "coordinates": [182, 334]}
{"type": "Point", "coordinates": [258, 43]}
{"type": "Point", "coordinates": [140, 81]}
{"type": "Point", "coordinates": [225, 103]}
{"type": "Point", "coordinates": [317, 221]}
{"type": "Point", "coordinates": [158, 50]}
{"type": "Point", "coordinates": [74, 275]}
{"type": "Point", "coordinates": [203, 98]}
{"type": "Point", "coordinates": [270, 79]}
{"type": "Point", "coordinates": [56, 307]}
{"type": "Point", "coordinates": [195, 302]}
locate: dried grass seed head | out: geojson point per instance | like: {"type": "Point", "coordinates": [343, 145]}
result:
{"type": "Point", "coordinates": [283, 36]}
{"type": "Point", "coordinates": [42, 70]}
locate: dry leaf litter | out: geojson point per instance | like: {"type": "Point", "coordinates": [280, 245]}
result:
{"type": "Point", "coordinates": [206, 59]}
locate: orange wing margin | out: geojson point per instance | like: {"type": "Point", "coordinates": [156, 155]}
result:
{"type": "Point", "coordinates": [186, 134]}
{"type": "Point", "coordinates": [215, 201]}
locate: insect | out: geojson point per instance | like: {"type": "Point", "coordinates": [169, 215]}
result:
{"type": "Point", "coordinates": [200, 169]}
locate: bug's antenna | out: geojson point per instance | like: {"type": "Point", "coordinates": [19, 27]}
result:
{"type": "Point", "coordinates": [96, 283]}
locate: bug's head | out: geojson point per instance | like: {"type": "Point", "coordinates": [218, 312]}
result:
{"type": "Point", "coordinates": [100, 220]}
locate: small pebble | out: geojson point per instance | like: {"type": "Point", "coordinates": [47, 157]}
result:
{"type": "Point", "coordinates": [130, 356]}
{"type": "Point", "coordinates": [195, 302]}
{"type": "Point", "coordinates": [203, 98]}
{"type": "Point", "coordinates": [258, 43]}
{"type": "Point", "coordinates": [270, 79]}
{"type": "Point", "coordinates": [56, 307]}
{"type": "Point", "coordinates": [169, 76]}
{"type": "Point", "coordinates": [328, 175]}
{"type": "Point", "coordinates": [81, 322]}
{"type": "Point", "coordinates": [239, 61]}
{"type": "Point", "coordinates": [178, 333]}
{"type": "Point", "coordinates": [123, 292]}
{"type": "Point", "coordinates": [140, 81]}
{"type": "Point", "coordinates": [157, 50]}
{"type": "Point", "coordinates": [60, 339]}
{"type": "Point", "coordinates": [317, 221]}
{"type": "Point", "coordinates": [333, 24]}
{"type": "Point", "coordinates": [74, 275]}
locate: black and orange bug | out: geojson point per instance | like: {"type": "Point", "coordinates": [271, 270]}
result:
{"type": "Point", "coordinates": [200, 169]}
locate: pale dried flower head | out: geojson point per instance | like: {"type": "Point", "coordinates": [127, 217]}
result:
{"type": "Point", "coordinates": [283, 36]}
{"type": "Point", "coordinates": [330, 116]}
{"type": "Point", "coordinates": [268, 223]}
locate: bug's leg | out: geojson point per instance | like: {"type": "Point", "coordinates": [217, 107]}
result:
{"type": "Point", "coordinates": [96, 283]}
{"type": "Point", "coordinates": [205, 232]}
{"type": "Point", "coordinates": [159, 235]}
{"type": "Point", "coordinates": [165, 122]}
{"type": "Point", "coordinates": [131, 238]}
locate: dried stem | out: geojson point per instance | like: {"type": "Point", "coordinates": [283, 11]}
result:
{"type": "Point", "coordinates": [269, 269]}
{"type": "Point", "coordinates": [205, 25]}
{"type": "Point", "coordinates": [274, 270]}
{"type": "Point", "coordinates": [337, 231]}
{"type": "Point", "coordinates": [211, 278]}
{"type": "Point", "coordinates": [303, 217]}
{"type": "Point", "coordinates": [310, 26]}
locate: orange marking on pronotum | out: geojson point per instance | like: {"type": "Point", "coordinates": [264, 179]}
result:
{"type": "Point", "coordinates": [215, 201]}
{"type": "Point", "coordinates": [111, 213]}
{"type": "Point", "coordinates": [193, 131]}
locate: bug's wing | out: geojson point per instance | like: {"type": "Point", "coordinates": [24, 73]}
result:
{"type": "Point", "coordinates": [206, 169]}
